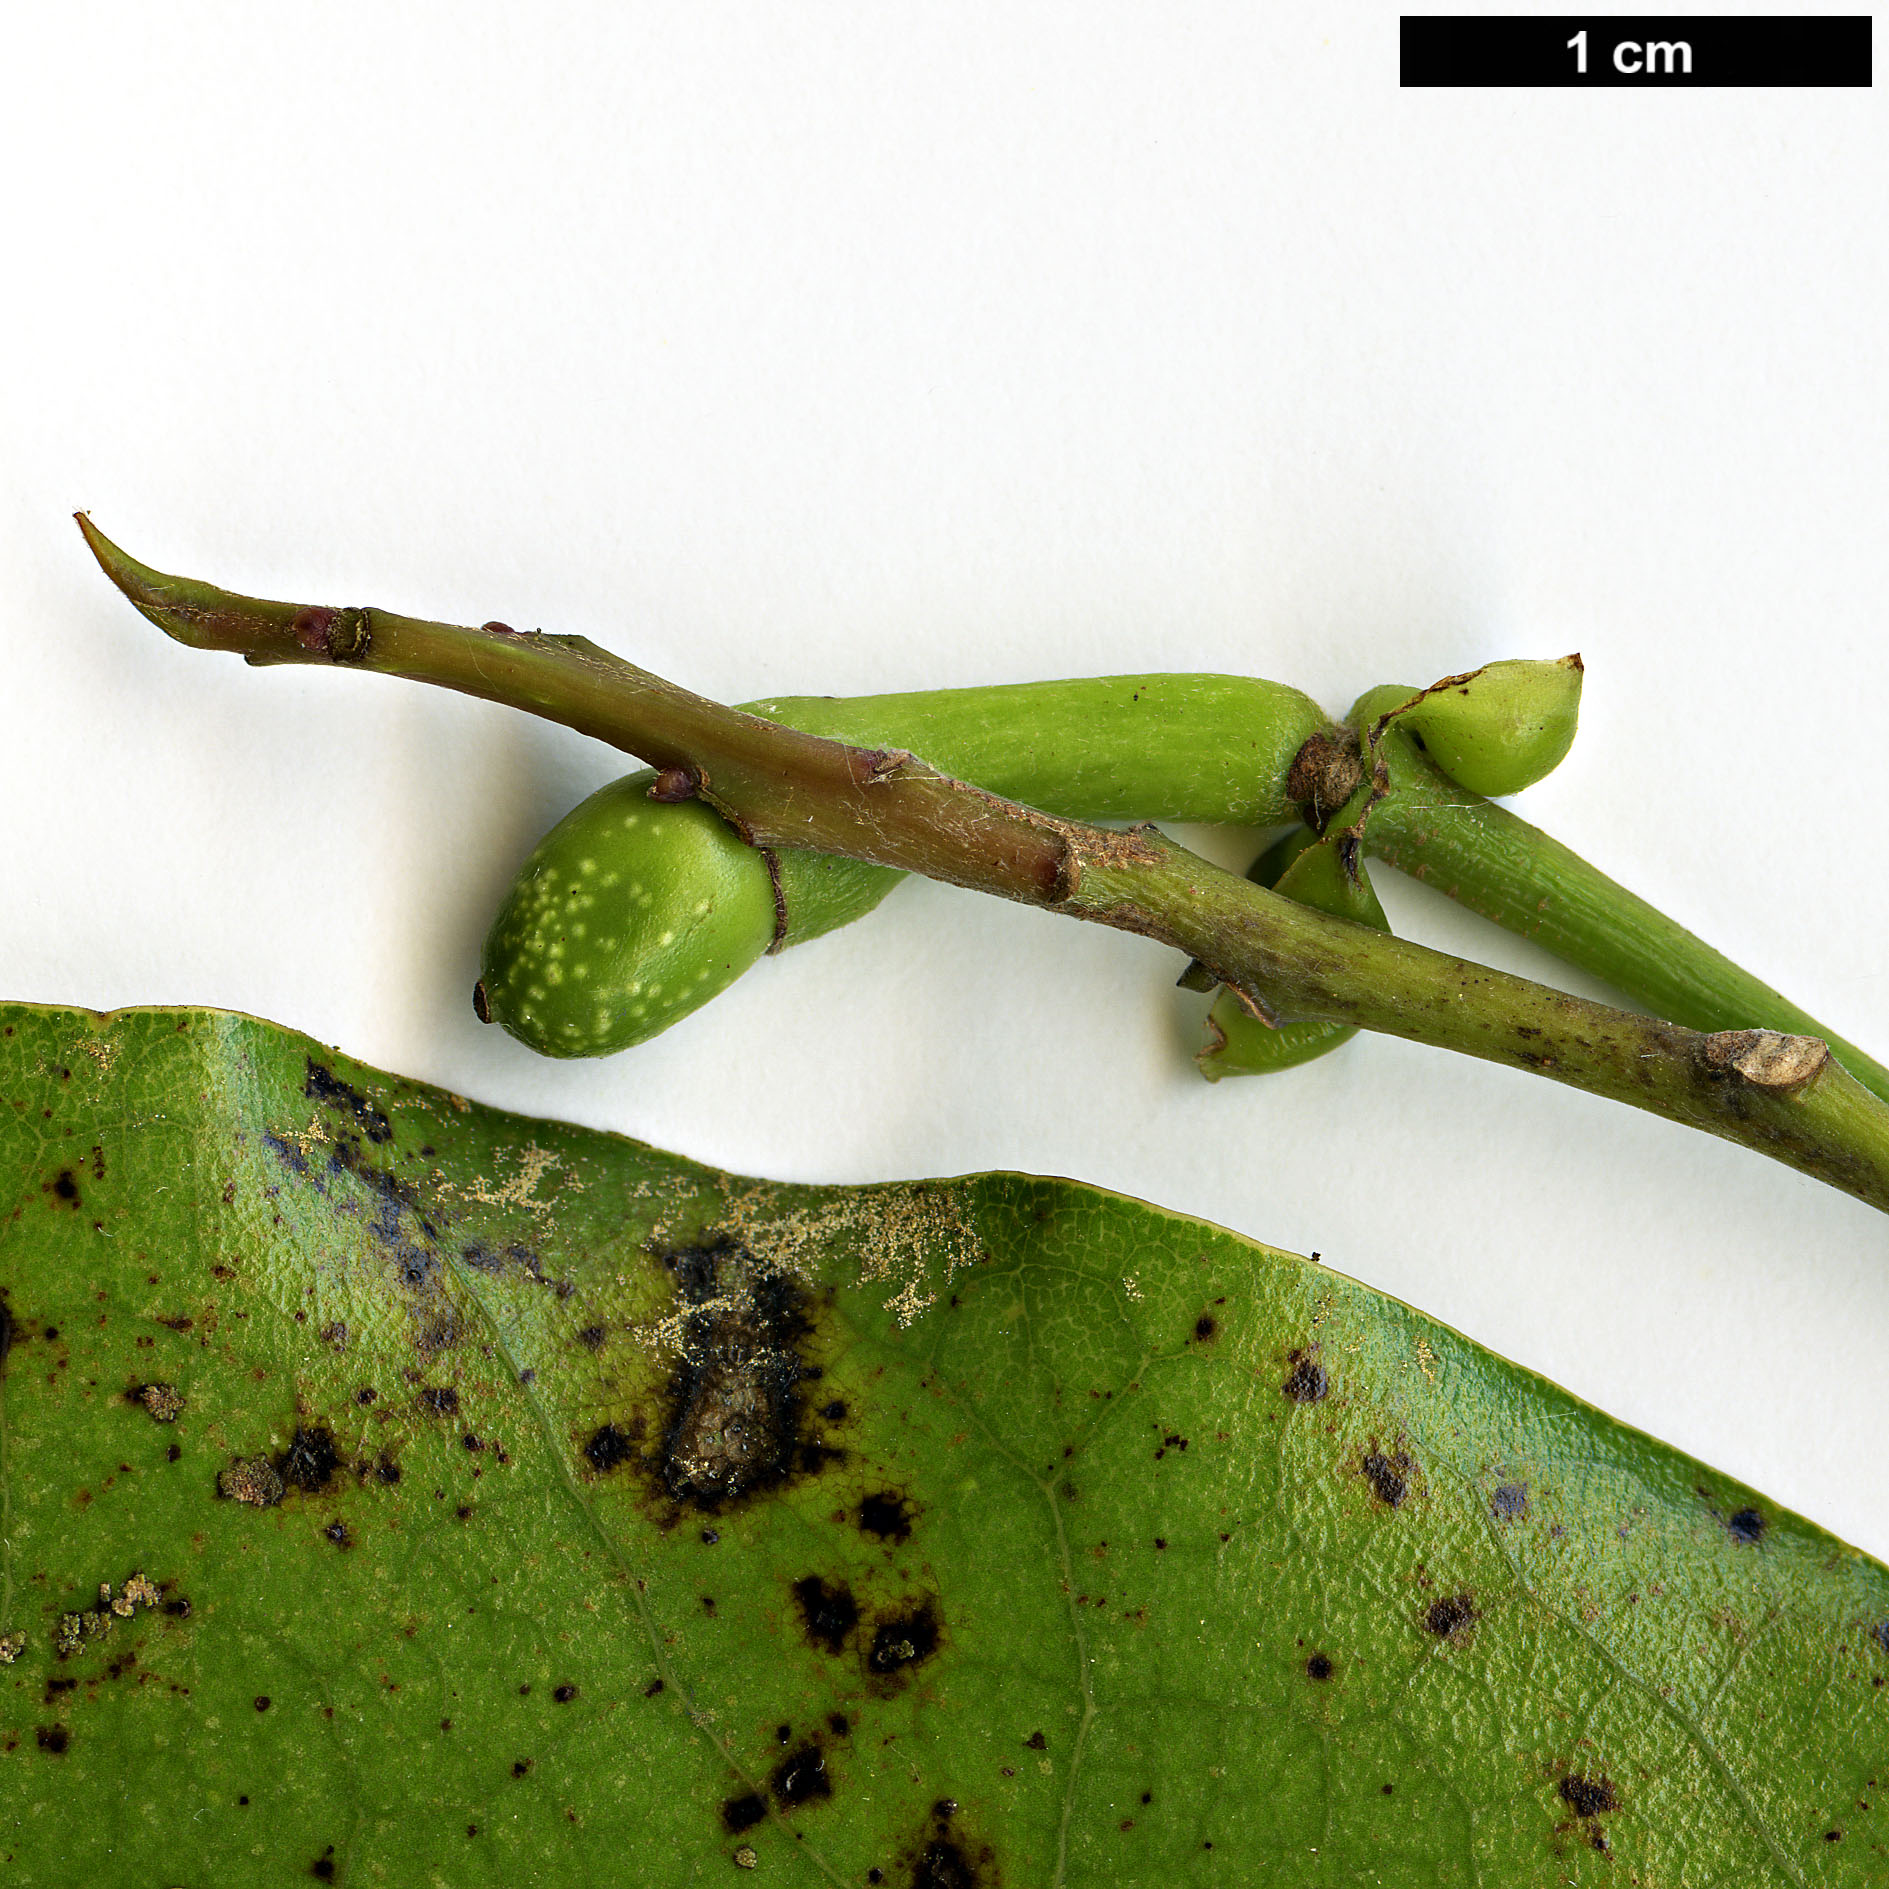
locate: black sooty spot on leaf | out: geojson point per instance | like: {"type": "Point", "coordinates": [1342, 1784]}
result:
{"type": "Point", "coordinates": [1386, 1475]}
{"type": "Point", "coordinates": [815, 1455]}
{"type": "Point", "coordinates": [800, 1777]}
{"type": "Point", "coordinates": [1588, 1796]}
{"type": "Point", "coordinates": [1747, 1526]}
{"type": "Point", "coordinates": [1454, 1614]}
{"type": "Point", "coordinates": [325, 1087]}
{"type": "Point", "coordinates": [286, 1152]}
{"type": "Point", "coordinates": [609, 1449]}
{"type": "Point", "coordinates": [743, 1813]}
{"type": "Point", "coordinates": [310, 1461]}
{"type": "Point", "coordinates": [1307, 1383]}
{"type": "Point", "coordinates": [904, 1640]}
{"type": "Point", "coordinates": [440, 1400]}
{"type": "Point", "coordinates": [885, 1515]}
{"type": "Point", "coordinates": [1205, 1328]}
{"type": "Point", "coordinates": [1509, 1502]}
{"type": "Point", "coordinates": [736, 1411]}
{"type": "Point", "coordinates": [1319, 1666]}
{"type": "Point", "coordinates": [944, 1863]}
{"type": "Point", "coordinates": [829, 1613]}
{"type": "Point", "coordinates": [53, 1738]}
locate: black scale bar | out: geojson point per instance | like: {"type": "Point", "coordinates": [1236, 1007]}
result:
{"type": "Point", "coordinates": [1632, 49]}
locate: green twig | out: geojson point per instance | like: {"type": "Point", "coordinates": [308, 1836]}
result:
{"type": "Point", "coordinates": [1780, 1094]}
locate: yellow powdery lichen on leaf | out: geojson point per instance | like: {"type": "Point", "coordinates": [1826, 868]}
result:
{"type": "Point", "coordinates": [913, 1235]}
{"type": "Point", "coordinates": [522, 1189]}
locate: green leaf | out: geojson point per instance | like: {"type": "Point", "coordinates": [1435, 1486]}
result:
{"type": "Point", "coordinates": [520, 1505]}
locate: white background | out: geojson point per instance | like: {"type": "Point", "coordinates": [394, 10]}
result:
{"type": "Point", "coordinates": [841, 348]}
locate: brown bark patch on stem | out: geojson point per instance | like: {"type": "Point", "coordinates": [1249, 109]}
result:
{"type": "Point", "coordinates": [1099, 846]}
{"type": "Point", "coordinates": [872, 766]}
{"type": "Point", "coordinates": [1087, 845]}
{"type": "Point", "coordinates": [1767, 1059]}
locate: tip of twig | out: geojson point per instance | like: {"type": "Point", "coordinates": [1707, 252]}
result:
{"type": "Point", "coordinates": [196, 613]}
{"type": "Point", "coordinates": [142, 585]}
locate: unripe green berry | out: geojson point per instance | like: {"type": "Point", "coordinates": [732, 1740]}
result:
{"type": "Point", "coordinates": [1500, 728]}
{"type": "Point", "coordinates": [628, 915]}
{"type": "Point", "coordinates": [632, 912]}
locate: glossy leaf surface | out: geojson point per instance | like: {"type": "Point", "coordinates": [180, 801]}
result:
{"type": "Point", "coordinates": [518, 1504]}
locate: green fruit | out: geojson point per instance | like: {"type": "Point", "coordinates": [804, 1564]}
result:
{"type": "Point", "coordinates": [1313, 872]}
{"type": "Point", "coordinates": [628, 915]}
{"type": "Point", "coordinates": [1500, 728]}
{"type": "Point", "coordinates": [631, 912]}
{"type": "Point", "coordinates": [1140, 747]}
